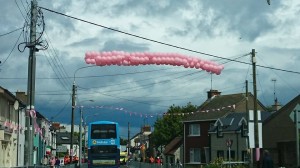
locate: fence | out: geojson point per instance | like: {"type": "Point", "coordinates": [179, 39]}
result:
{"type": "Point", "coordinates": [83, 165]}
{"type": "Point", "coordinates": [134, 164]}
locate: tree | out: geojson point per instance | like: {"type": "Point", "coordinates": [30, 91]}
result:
{"type": "Point", "coordinates": [170, 125]}
{"type": "Point", "coordinates": [123, 141]}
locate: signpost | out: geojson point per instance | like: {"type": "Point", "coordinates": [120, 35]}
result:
{"type": "Point", "coordinates": [229, 144]}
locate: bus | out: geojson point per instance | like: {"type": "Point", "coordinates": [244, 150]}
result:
{"type": "Point", "coordinates": [103, 144]}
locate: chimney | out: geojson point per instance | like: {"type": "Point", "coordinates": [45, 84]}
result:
{"type": "Point", "coordinates": [213, 93]}
{"type": "Point", "coordinates": [276, 105]}
{"type": "Point", "coordinates": [22, 96]}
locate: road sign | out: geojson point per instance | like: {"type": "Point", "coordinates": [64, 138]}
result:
{"type": "Point", "coordinates": [229, 142]}
{"type": "Point", "coordinates": [61, 149]}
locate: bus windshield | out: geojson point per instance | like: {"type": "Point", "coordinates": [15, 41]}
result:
{"type": "Point", "coordinates": [103, 144]}
{"type": "Point", "coordinates": [104, 131]}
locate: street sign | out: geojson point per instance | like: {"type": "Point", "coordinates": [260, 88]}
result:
{"type": "Point", "coordinates": [229, 142]}
{"type": "Point", "coordinates": [61, 149]}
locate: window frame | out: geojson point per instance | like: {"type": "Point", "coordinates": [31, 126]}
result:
{"type": "Point", "coordinates": [219, 153]}
{"type": "Point", "coordinates": [193, 158]}
{"type": "Point", "coordinates": [244, 130]}
{"type": "Point", "coordinates": [219, 131]}
{"type": "Point", "coordinates": [193, 131]}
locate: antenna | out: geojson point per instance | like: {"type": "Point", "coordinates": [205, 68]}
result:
{"type": "Point", "coordinates": [274, 80]}
{"type": "Point", "coordinates": [210, 81]}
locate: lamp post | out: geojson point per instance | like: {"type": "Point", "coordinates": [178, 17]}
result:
{"type": "Point", "coordinates": [73, 109]}
{"type": "Point", "coordinates": [80, 132]}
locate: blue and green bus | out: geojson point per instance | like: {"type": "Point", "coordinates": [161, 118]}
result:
{"type": "Point", "coordinates": [103, 144]}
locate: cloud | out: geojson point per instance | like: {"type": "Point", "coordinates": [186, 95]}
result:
{"type": "Point", "coordinates": [124, 45]}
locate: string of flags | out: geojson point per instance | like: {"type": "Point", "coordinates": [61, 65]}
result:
{"type": "Point", "coordinates": [157, 114]}
{"type": "Point", "coordinates": [37, 130]}
{"type": "Point", "coordinates": [203, 111]}
{"type": "Point", "coordinates": [13, 126]}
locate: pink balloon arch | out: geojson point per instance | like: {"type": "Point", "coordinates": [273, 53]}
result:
{"type": "Point", "coordinates": [122, 58]}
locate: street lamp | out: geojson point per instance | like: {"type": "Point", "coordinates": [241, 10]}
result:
{"type": "Point", "coordinates": [80, 132]}
{"type": "Point", "coordinates": [73, 109]}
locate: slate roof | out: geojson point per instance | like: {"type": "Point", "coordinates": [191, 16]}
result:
{"type": "Point", "coordinates": [231, 121]}
{"type": "Point", "coordinates": [217, 107]}
{"type": "Point", "coordinates": [173, 146]}
{"type": "Point", "coordinates": [289, 107]}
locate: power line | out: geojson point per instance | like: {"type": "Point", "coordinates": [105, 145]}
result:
{"type": "Point", "coordinates": [11, 32]}
{"type": "Point", "coordinates": [12, 49]}
{"type": "Point", "coordinates": [163, 43]}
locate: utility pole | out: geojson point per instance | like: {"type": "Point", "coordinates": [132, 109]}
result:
{"type": "Point", "coordinates": [250, 158]}
{"type": "Point", "coordinates": [31, 84]}
{"type": "Point", "coordinates": [256, 138]}
{"type": "Point", "coordinates": [80, 138]}
{"type": "Point", "coordinates": [72, 119]}
{"type": "Point", "coordinates": [128, 139]}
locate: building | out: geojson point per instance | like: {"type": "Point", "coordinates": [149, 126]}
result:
{"type": "Point", "coordinates": [197, 143]}
{"type": "Point", "coordinates": [173, 153]}
{"type": "Point", "coordinates": [12, 129]}
{"type": "Point", "coordinates": [282, 142]}
{"type": "Point", "coordinates": [229, 137]}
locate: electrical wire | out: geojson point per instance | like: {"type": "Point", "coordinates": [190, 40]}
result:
{"type": "Point", "coordinates": [61, 110]}
{"type": "Point", "coordinates": [11, 50]}
{"type": "Point", "coordinates": [1, 35]}
{"type": "Point", "coordinates": [163, 43]}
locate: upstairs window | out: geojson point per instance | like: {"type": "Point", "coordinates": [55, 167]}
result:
{"type": "Point", "coordinates": [244, 130]}
{"type": "Point", "coordinates": [194, 130]}
{"type": "Point", "coordinates": [219, 131]}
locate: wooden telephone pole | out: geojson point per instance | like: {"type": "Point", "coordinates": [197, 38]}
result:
{"type": "Point", "coordinates": [31, 84]}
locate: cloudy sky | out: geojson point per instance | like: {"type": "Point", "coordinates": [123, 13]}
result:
{"type": "Point", "coordinates": [220, 31]}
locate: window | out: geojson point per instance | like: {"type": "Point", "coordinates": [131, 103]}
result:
{"type": "Point", "coordinates": [219, 131]}
{"type": "Point", "coordinates": [245, 156]}
{"type": "Point", "coordinates": [220, 154]}
{"type": "Point", "coordinates": [103, 131]}
{"type": "Point", "coordinates": [195, 155]}
{"type": "Point", "coordinates": [194, 129]}
{"type": "Point", "coordinates": [244, 130]}
{"type": "Point", "coordinates": [232, 154]}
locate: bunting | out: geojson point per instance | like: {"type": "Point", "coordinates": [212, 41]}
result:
{"type": "Point", "coordinates": [157, 114]}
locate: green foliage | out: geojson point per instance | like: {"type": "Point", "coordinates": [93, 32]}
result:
{"type": "Point", "coordinates": [215, 164]}
{"type": "Point", "coordinates": [123, 141]}
{"type": "Point", "coordinates": [170, 125]}
{"type": "Point", "coordinates": [219, 163]}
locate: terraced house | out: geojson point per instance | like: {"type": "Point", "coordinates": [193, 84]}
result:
{"type": "Point", "coordinates": [13, 131]}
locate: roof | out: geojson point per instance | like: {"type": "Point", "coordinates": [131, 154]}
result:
{"type": "Point", "coordinates": [205, 116]}
{"type": "Point", "coordinates": [173, 146]}
{"type": "Point", "coordinates": [231, 122]}
{"type": "Point", "coordinates": [13, 96]}
{"type": "Point", "coordinates": [289, 107]}
{"type": "Point", "coordinates": [218, 106]}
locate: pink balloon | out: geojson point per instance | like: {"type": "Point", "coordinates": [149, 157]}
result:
{"type": "Point", "coordinates": [147, 58]}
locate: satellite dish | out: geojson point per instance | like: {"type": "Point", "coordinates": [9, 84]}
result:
{"type": "Point", "coordinates": [16, 105]}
